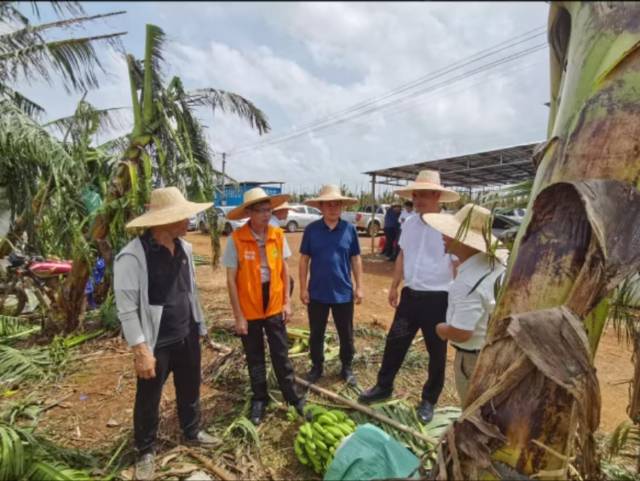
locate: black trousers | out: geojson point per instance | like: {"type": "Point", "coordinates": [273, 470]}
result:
{"type": "Point", "coordinates": [343, 319]}
{"type": "Point", "coordinates": [183, 359]}
{"type": "Point", "coordinates": [390, 237]}
{"type": "Point", "coordinates": [417, 310]}
{"type": "Point", "coordinates": [253, 343]}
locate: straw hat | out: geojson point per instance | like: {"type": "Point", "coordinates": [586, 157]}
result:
{"type": "Point", "coordinates": [428, 180]}
{"type": "Point", "coordinates": [255, 196]}
{"type": "Point", "coordinates": [167, 206]}
{"type": "Point", "coordinates": [449, 225]}
{"type": "Point", "coordinates": [329, 193]}
{"type": "Point", "coordinates": [283, 207]}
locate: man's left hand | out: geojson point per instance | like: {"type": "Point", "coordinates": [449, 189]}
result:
{"type": "Point", "coordinates": [286, 312]}
{"type": "Point", "coordinates": [359, 295]}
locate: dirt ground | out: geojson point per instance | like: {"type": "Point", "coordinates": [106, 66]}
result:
{"type": "Point", "coordinates": [91, 407]}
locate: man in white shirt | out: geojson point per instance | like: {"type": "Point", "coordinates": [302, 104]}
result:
{"type": "Point", "coordinates": [279, 214]}
{"type": "Point", "coordinates": [471, 296]}
{"type": "Point", "coordinates": [427, 272]}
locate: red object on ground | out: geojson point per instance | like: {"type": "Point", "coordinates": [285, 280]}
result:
{"type": "Point", "coordinates": [51, 268]}
{"type": "Point", "coordinates": [381, 243]}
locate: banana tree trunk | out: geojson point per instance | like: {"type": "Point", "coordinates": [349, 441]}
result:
{"type": "Point", "coordinates": [132, 178]}
{"type": "Point", "coordinates": [534, 386]}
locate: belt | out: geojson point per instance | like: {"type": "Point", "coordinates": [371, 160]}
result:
{"type": "Point", "coordinates": [468, 351]}
{"type": "Point", "coordinates": [423, 294]}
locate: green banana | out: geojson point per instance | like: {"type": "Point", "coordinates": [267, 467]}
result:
{"type": "Point", "coordinates": [299, 450]}
{"type": "Point", "coordinates": [345, 428]}
{"type": "Point", "coordinates": [327, 418]}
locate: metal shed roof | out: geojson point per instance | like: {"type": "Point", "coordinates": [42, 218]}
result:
{"type": "Point", "coordinates": [495, 167]}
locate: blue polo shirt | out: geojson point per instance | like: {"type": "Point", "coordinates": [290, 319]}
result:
{"type": "Point", "coordinates": [330, 252]}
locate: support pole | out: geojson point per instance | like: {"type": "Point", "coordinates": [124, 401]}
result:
{"type": "Point", "coordinates": [373, 211]}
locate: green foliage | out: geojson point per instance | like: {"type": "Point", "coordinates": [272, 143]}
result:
{"type": "Point", "coordinates": [109, 314]}
{"type": "Point", "coordinates": [625, 441]}
{"type": "Point", "coordinates": [24, 455]}
{"type": "Point", "coordinates": [241, 431]}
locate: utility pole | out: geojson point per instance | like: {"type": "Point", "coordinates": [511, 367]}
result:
{"type": "Point", "coordinates": [224, 191]}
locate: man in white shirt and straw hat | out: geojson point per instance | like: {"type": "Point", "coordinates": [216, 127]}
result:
{"type": "Point", "coordinates": [427, 272]}
{"type": "Point", "coordinates": [258, 284]}
{"type": "Point", "coordinates": [329, 255]}
{"type": "Point", "coordinates": [161, 317]}
{"type": "Point", "coordinates": [279, 214]}
{"type": "Point", "coordinates": [472, 293]}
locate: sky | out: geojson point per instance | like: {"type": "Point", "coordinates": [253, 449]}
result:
{"type": "Point", "coordinates": [301, 62]}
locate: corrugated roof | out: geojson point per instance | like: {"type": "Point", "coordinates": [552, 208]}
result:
{"type": "Point", "coordinates": [496, 167]}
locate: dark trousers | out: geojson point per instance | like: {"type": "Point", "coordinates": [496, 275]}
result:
{"type": "Point", "coordinates": [389, 239]}
{"type": "Point", "coordinates": [343, 319]}
{"type": "Point", "coordinates": [183, 359]}
{"type": "Point", "coordinates": [417, 310]}
{"type": "Point", "coordinates": [253, 343]}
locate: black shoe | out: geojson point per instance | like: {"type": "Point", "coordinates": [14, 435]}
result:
{"type": "Point", "coordinates": [425, 411]}
{"type": "Point", "coordinates": [348, 376]}
{"type": "Point", "coordinates": [314, 374]}
{"type": "Point", "coordinates": [376, 393]}
{"type": "Point", "coordinates": [258, 409]}
{"type": "Point", "coordinates": [299, 405]}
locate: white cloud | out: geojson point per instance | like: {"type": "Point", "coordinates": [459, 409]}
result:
{"type": "Point", "coordinates": [302, 61]}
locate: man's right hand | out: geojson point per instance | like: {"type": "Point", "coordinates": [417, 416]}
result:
{"type": "Point", "coordinates": [304, 296]}
{"type": "Point", "coordinates": [242, 328]}
{"type": "Point", "coordinates": [144, 361]}
{"type": "Point", "coordinates": [393, 297]}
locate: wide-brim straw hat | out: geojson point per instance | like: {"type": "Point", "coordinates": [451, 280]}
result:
{"type": "Point", "coordinates": [475, 220]}
{"type": "Point", "coordinates": [167, 205]}
{"type": "Point", "coordinates": [428, 180]}
{"type": "Point", "coordinates": [330, 193]}
{"type": "Point", "coordinates": [255, 196]}
{"type": "Point", "coordinates": [283, 207]}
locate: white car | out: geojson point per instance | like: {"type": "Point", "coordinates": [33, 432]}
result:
{"type": "Point", "coordinates": [300, 216]}
{"type": "Point", "coordinates": [225, 225]}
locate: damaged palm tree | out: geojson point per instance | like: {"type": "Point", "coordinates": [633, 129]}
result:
{"type": "Point", "coordinates": [166, 146]}
{"type": "Point", "coordinates": [535, 386]}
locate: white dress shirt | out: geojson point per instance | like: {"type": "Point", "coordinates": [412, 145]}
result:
{"type": "Point", "coordinates": [404, 215]}
{"type": "Point", "coordinates": [426, 266]}
{"type": "Point", "coordinates": [472, 299]}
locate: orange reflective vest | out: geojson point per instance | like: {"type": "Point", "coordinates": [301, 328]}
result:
{"type": "Point", "coordinates": [248, 280]}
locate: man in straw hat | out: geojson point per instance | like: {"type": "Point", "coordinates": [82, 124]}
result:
{"type": "Point", "coordinates": [279, 214]}
{"type": "Point", "coordinates": [331, 246]}
{"type": "Point", "coordinates": [161, 317]}
{"type": "Point", "coordinates": [427, 272]}
{"type": "Point", "coordinates": [471, 295]}
{"type": "Point", "coordinates": [258, 283]}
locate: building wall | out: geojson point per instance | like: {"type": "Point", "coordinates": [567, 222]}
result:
{"type": "Point", "coordinates": [233, 195]}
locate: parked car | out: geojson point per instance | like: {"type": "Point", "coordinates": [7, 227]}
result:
{"type": "Point", "coordinates": [225, 225]}
{"type": "Point", "coordinates": [506, 223]}
{"type": "Point", "coordinates": [193, 223]}
{"type": "Point", "coordinates": [300, 216]}
{"type": "Point", "coordinates": [362, 219]}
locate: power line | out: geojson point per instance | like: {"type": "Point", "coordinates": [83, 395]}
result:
{"type": "Point", "coordinates": [394, 102]}
{"type": "Point", "coordinates": [504, 45]}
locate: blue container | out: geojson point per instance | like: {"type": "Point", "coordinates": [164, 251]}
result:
{"type": "Point", "coordinates": [233, 194]}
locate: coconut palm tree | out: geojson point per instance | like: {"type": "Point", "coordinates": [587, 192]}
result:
{"type": "Point", "coordinates": [27, 51]}
{"type": "Point", "coordinates": [534, 401]}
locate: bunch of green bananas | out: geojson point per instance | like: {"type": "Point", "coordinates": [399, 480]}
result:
{"type": "Point", "coordinates": [318, 439]}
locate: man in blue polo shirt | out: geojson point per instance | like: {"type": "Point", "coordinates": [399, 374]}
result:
{"type": "Point", "coordinates": [331, 246]}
